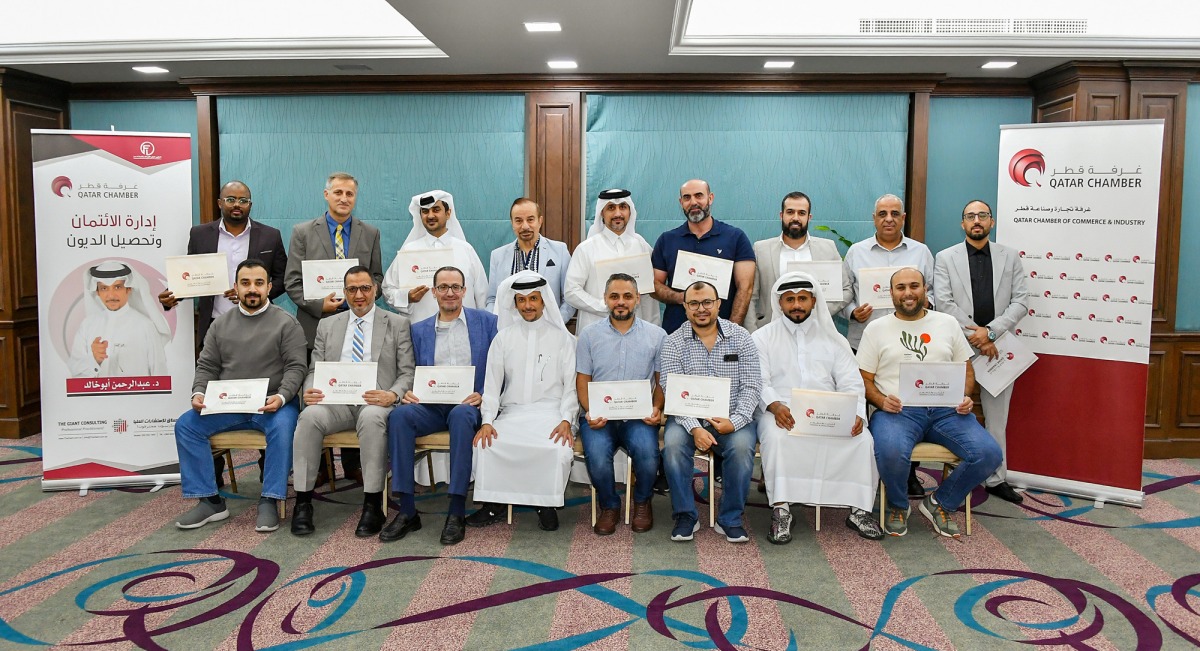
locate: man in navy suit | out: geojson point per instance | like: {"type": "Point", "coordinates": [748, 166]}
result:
{"type": "Point", "coordinates": [455, 336]}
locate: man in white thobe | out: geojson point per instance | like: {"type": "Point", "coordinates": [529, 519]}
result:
{"type": "Point", "coordinates": [612, 235]}
{"type": "Point", "coordinates": [801, 349]}
{"type": "Point", "coordinates": [435, 226]}
{"type": "Point", "coordinates": [125, 333]}
{"type": "Point", "coordinates": [530, 405]}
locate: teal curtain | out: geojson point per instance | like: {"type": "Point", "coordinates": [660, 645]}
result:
{"type": "Point", "coordinates": [1187, 305]}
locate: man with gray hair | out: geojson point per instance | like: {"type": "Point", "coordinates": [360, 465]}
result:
{"type": "Point", "coordinates": [124, 334]}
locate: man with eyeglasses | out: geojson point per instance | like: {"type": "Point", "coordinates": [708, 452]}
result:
{"type": "Point", "coordinates": [982, 285]}
{"type": "Point", "coordinates": [712, 346]}
{"type": "Point", "coordinates": [455, 336]}
{"type": "Point", "coordinates": [530, 250]}
{"type": "Point", "coordinates": [361, 335]}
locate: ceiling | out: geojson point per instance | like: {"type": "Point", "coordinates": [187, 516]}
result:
{"type": "Point", "coordinates": [472, 37]}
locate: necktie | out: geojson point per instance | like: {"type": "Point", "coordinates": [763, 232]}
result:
{"type": "Point", "coordinates": [356, 345]}
{"type": "Point", "coordinates": [339, 249]}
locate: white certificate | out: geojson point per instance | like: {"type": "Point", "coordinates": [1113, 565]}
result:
{"type": "Point", "coordinates": [234, 396]}
{"type": "Point", "coordinates": [417, 266]}
{"type": "Point", "coordinates": [823, 413]}
{"type": "Point", "coordinates": [344, 383]}
{"type": "Point", "coordinates": [932, 384]}
{"type": "Point", "coordinates": [874, 287]}
{"type": "Point", "coordinates": [623, 400]}
{"type": "Point", "coordinates": [827, 272]}
{"type": "Point", "coordinates": [995, 375]}
{"type": "Point", "coordinates": [206, 274]}
{"type": "Point", "coordinates": [690, 267]}
{"type": "Point", "coordinates": [637, 266]}
{"type": "Point", "coordinates": [324, 276]}
{"type": "Point", "coordinates": [699, 396]}
{"type": "Point", "coordinates": [444, 385]}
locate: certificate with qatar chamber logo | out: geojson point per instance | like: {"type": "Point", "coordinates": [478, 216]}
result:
{"type": "Point", "coordinates": [875, 287]}
{"type": "Point", "coordinates": [204, 274]}
{"type": "Point", "coordinates": [324, 277]}
{"type": "Point", "coordinates": [235, 396]}
{"type": "Point", "coordinates": [344, 383]}
{"type": "Point", "coordinates": [444, 385]}
{"type": "Point", "coordinates": [620, 400]}
{"type": "Point", "coordinates": [698, 396]}
{"type": "Point", "coordinates": [932, 384]}
{"type": "Point", "coordinates": [823, 413]}
{"type": "Point", "coordinates": [690, 267]}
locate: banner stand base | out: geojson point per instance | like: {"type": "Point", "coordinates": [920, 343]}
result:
{"type": "Point", "coordinates": [1100, 493]}
{"type": "Point", "coordinates": [84, 485]}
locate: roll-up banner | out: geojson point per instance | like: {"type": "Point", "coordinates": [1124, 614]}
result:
{"type": "Point", "coordinates": [116, 369]}
{"type": "Point", "coordinates": [1079, 202]}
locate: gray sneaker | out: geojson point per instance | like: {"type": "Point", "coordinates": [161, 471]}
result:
{"type": "Point", "coordinates": [864, 523]}
{"type": "Point", "coordinates": [896, 522]}
{"type": "Point", "coordinates": [781, 526]}
{"type": "Point", "coordinates": [942, 522]}
{"type": "Point", "coordinates": [268, 515]}
{"type": "Point", "coordinates": [201, 514]}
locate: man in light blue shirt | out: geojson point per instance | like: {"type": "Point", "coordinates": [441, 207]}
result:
{"type": "Point", "coordinates": [620, 348]}
{"type": "Point", "coordinates": [530, 251]}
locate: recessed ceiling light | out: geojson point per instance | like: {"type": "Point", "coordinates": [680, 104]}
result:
{"type": "Point", "coordinates": [562, 65]}
{"type": "Point", "coordinates": [150, 70]}
{"type": "Point", "coordinates": [779, 64]}
{"type": "Point", "coordinates": [543, 27]}
{"type": "Point", "coordinates": [998, 64]}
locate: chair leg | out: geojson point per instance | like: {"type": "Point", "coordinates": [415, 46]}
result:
{"type": "Point", "coordinates": [882, 504]}
{"type": "Point", "coordinates": [593, 506]}
{"type": "Point", "coordinates": [712, 494]}
{"type": "Point", "coordinates": [387, 491]}
{"type": "Point", "coordinates": [282, 504]}
{"type": "Point", "coordinates": [628, 488]}
{"type": "Point", "coordinates": [229, 466]}
{"type": "Point", "coordinates": [429, 462]}
{"type": "Point", "coordinates": [329, 467]}
{"type": "Point", "coordinates": [818, 517]}
{"type": "Point", "coordinates": [510, 513]}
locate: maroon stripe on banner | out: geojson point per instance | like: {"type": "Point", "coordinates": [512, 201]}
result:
{"type": "Point", "coordinates": [575, 612]}
{"type": "Point", "coordinates": [1097, 434]}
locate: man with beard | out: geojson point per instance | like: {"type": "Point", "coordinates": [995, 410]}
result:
{"type": "Point", "coordinates": [257, 340]}
{"type": "Point", "coordinates": [530, 251]}
{"type": "Point", "coordinates": [703, 234]}
{"type": "Point", "coordinates": [915, 334]}
{"type": "Point", "coordinates": [801, 349]}
{"type": "Point", "coordinates": [793, 245]}
{"type": "Point", "coordinates": [982, 285]}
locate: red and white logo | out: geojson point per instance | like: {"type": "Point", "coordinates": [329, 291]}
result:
{"type": "Point", "coordinates": [1104, 340]}
{"type": "Point", "coordinates": [1061, 314]}
{"type": "Point", "coordinates": [1091, 317]}
{"type": "Point", "coordinates": [1074, 337]}
{"type": "Point", "coordinates": [1121, 279]}
{"type": "Point", "coordinates": [1120, 319]}
{"type": "Point", "coordinates": [876, 287]}
{"type": "Point", "coordinates": [320, 279]}
{"type": "Point", "coordinates": [1022, 163]}
{"type": "Point", "coordinates": [1021, 253]}
{"type": "Point", "coordinates": [333, 382]}
{"type": "Point", "coordinates": [1076, 295]}
{"type": "Point", "coordinates": [1137, 258]}
{"type": "Point", "coordinates": [810, 413]}
{"type": "Point", "coordinates": [1133, 299]}
{"type": "Point", "coordinates": [1078, 256]}
{"type": "Point", "coordinates": [919, 383]}
{"type": "Point", "coordinates": [432, 383]}
{"type": "Point", "coordinates": [1049, 255]}
{"type": "Point", "coordinates": [1104, 298]}
{"type": "Point", "coordinates": [1062, 276]}
{"type": "Point", "coordinates": [1018, 331]}
{"type": "Point", "coordinates": [607, 399]}
{"type": "Point", "coordinates": [59, 184]}
{"type": "Point", "coordinates": [1094, 277]}
{"type": "Point", "coordinates": [223, 395]}
{"type": "Point", "coordinates": [416, 268]}
{"type": "Point", "coordinates": [1033, 274]}
{"type": "Point", "coordinates": [1130, 342]}
{"type": "Point", "coordinates": [1108, 258]}
{"type": "Point", "coordinates": [1010, 356]}
{"type": "Point", "coordinates": [186, 275]}
{"type": "Point", "coordinates": [691, 271]}
{"type": "Point", "coordinates": [684, 395]}
{"type": "Point", "coordinates": [1031, 313]}
{"type": "Point", "coordinates": [1045, 334]}
{"type": "Point", "coordinates": [1046, 293]}
{"type": "Point", "coordinates": [147, 148]}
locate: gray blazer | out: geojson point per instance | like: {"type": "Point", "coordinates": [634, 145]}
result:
{"type": "Point", "coordinates": [952, 287]}
{"type": "Point", "coordinates": [310, 241]}
{"type": "Point", "coordinates": [391, 348]}
{"type": "Point", "coordinates": [553, 260]}
{"type": "Point", "coordinates": [766, 254]}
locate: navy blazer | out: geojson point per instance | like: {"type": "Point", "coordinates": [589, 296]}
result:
{"type": "Point", "coordinates": [481, 329]}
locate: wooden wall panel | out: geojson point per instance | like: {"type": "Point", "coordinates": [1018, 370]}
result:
{"type": "Point", "coordinates": [553, 161]}
{"type": "Point", "coordinates": [1173, 397]}
{"type": "Point", "coordinates": [209, 165]}
{"type": "Point", "coordinates": [1188, 404]}
{"type": "Point", "coordinates": [1154, 389]}
{"type": "Point", "coordinates": [917, 166]}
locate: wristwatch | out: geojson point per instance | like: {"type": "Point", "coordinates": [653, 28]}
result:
{"type": "Point", "coordinates": [991, 334]}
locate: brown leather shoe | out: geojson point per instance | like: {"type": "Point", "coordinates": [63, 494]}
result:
{"type": "Point", "coordinates": [643, 517]}
{"type": "Point", "coordinates": [606, 521]}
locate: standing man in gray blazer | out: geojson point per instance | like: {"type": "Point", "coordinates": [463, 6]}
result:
{"type": "Point", "coordinates": [982, 285]}
{"type": "Point", "coordinates": [530, 251]}
{"type": "Point", "coordinates": [794, 244]}
{"type": "Point", "coordinates": [336, 235]}
{"type": "Point", "coordinates": [364, 333]}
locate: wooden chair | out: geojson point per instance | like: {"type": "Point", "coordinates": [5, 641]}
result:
{"type": "Point", "coordinates": [344, 439]}
{"type": "Point", "coordinates": [243, 439]}
{"type": "Point", "coordinates": [430, 443]}
{"type": "Point", "coordinates": [929, 453]}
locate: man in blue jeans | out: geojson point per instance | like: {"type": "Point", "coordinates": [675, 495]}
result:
{"type": "Point", "coordinates": [711, 346]}
{"type": "Point", "coordinates": [915, 334]}
{"type": "Point", "coordinates": [256, 340]}
{"type": "Point", "coordinates": [620, 348]}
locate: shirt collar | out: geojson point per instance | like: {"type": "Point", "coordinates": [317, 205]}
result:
{"type": "Point", "coordinates": [633, 326]}
{"type": "Point", "coordinates": [332, 223]}
{"type": "Point", "coordinates": [445, 240]}
{"type": "Point", "coordinates": [903, 243]}
{"type": "Point", "coordinates": [803, 329]}
{"type": "Point", "coordinates": [262, 310]}
{"type": "Point", "coordinates": [798, 248]}
{"type": "Point", "coordinates": [985, 250]}
{"type": "Point", "coordinates": [245, 232]}
{"type": "Point", "coordinates": [369, 316]}
{"type": "Point", "coordinates": [720, 329]}
{"type": "Point", "coordinates": [462, 316]}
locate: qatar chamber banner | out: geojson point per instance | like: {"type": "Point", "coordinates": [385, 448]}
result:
{"type": "Point", "coordinates": [116, 368]}
{"type": "Point", "coordinates": [1079, 202]}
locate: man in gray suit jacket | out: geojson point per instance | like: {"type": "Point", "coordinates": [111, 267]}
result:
{"type": "Point", "coordinates": [793, 245]}
{"type": "Point", "coordinates": [362, 334]}
{"type": "Point", "coordinates": [530, 251]}
{"type": "Point", "coordinates": [982, 285]}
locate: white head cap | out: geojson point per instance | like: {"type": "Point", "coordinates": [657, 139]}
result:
{"type": "Point", "coordinates": [424, 200]}
{"type": "Point", "coordinates": [140, 299]}
{"type": "Point", "coordinates": [613, 196]}
{"type": "Point", "coordinates": [822, 320]}
{"type": "Point", "coordinates": [525, 283]}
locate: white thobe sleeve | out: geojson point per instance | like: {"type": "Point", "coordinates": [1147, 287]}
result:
{"type": "Point", "coordinates": [569, 402]}
{"type": "Point", "coordinates": [762, 342]}
{"type": "Point", "coordinates": [392, 293]}
{"type": "Point", "coordinates": [848, 379]}
{"type": "Point", "coordinates": [575, 288]}
{"type": "Point", "coordinates": [493, 381]}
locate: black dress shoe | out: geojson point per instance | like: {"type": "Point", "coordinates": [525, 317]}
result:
{"type": "Point", "coordinates": [302, 520]}
{"type": "Point", "coordinates": [370, 522]}
{"type": "Point", "coordinates": [487, 514]}
{"type": "Point", "coordinates": [400, 526]}
{"type": "Point", "coordinates": [454, 531]}
{"type": "Point", "coordinates": [547, 518]}
{"type": "Point", "coordinates": [915, 490]}
{"type": "Point", "coordinates": [1006, 493]}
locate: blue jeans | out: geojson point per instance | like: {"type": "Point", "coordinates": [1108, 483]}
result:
{"type": "Point", "coordinates": [736, 451]}
{"type": "Point", "coordinates": [896, 434]}
{"type": "Point", "coordinates": [407, 422]}
{"type": "Point", "coordinates": [196, 471]}
{"type": "Point", "coordinates": [599, 445]}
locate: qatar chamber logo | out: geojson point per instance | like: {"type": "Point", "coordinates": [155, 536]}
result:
{"type": "Point", "coordinates": [1092, 317]}
{"type": "Point", "coordinates": [1062, 314]}
{"type": "Point", "coordinates": [1078, 256]}
{"type": "Point", "coordinates": [1104, 340]}
{"type": "Point", "coordinates": [919, 383]}
{"type": "Point", "coordinates": [1074, 337]}
{"type": "Point", "coordinates": [333, 382]}
{"type": "Point", "coordinates": [876, 287]}
{"type": "Point", "coordinates": [1045, 335]}
{"type": "Point", "coordinates": [691, 271]}
{"type": "Point", "coordinates": [1120, 319]}
{"type": "Point", "coordinates": [416, 268]}
{"type": "Point", "coordinates": [1104, 298]}
{"type": "Point", "coordinates": [1130, 342]}
{"type": "Point", "coordinates": [810, 413]}
{"type": "Point", "coordinates": [1062, 276]}
{"type": "Point", "coordinates": [187, 274]}
{"type": "Point", "coordinates": [1049, 255]}
{"type": "Point", "coordinates": [1108, 258]}
{"type": "Point", "coordinates": [1033, 274]}
{"type": "Point", "coordinates": [1009, 356]}
{"type": "Point", "coordinates": [1031, 312]}
{"type": "Point", "coordinates": [59, 184]}
{"type": "Point", "coordinates": [320, 279]}
{"type": "Point", "coordinates": [607, 399]}
{"type": "Point", "coordinates": [1022, 163]}
{"type": "Point", "coordinates": [1021, 253]}
{"type": "Point", "coordinates": [431, 383]}
{"type": "Point", "coordinates": [223, 395]}
{"type": "Point", "coordinates": [1046, 294]}
{"type": "Point", "coordinates": [1137, 258]}
{"type": "Point", "coordinates": [1121, 279]}
{"type": "Point", "coordinates": [684, 395]}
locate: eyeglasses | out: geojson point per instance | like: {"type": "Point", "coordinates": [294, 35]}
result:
{"type": "Point", "coordinates": [977, 216]}
{"type": "Point", "coordinates": [361, 289]}
{"type": "Point", "coordinates": [236, 201]}
{"type": "Point", "coordinates": [446, 289]}
{"type": "Point", "coordinates": [707, 304]}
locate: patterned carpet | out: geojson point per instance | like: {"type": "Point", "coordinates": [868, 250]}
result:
{"type": "Point", "coordinates": [109, 570]}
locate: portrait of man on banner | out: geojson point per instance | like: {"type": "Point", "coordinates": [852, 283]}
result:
{"type": "Point", "coordinates": [124, 333]}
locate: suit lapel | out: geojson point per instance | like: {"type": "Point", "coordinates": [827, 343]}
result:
{"type": "Point", "coordinates": [321, 233]}
{"type": "Point", "coordinates": [999, 264]}
{"type": "Point", "coordinates": [255, 241]}
{"type": "Point", "coordinates": [334, 352]}
{"type": "Point", "coordinates": [964, 274]}
{"type": "Point", "coordinates": [379, 328]}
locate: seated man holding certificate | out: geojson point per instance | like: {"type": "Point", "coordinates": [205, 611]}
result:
{"type": "Point", "coordinates": [377, 342]}
{"type": "Point", "coordinates": [712, 381]}
{"type": "Point", "coordinates": [257, 341]}
{"type": "Point", "coordinates": [456, 338]}
{"type": "Point", "coordinates": [617, 363]}
{"type": "Point", "coordinates": [529, 406]}
{"type": "Point", "coordinates": [914, 335]}
{"type": "Point", "coordinates": [815, 449]}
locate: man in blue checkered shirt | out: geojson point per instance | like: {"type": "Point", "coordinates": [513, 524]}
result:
{"type": "Point", "coordinates": [711, 346]}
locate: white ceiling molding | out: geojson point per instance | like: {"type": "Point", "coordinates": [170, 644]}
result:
{"type": "Point", "coordinates": [397, 47]}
